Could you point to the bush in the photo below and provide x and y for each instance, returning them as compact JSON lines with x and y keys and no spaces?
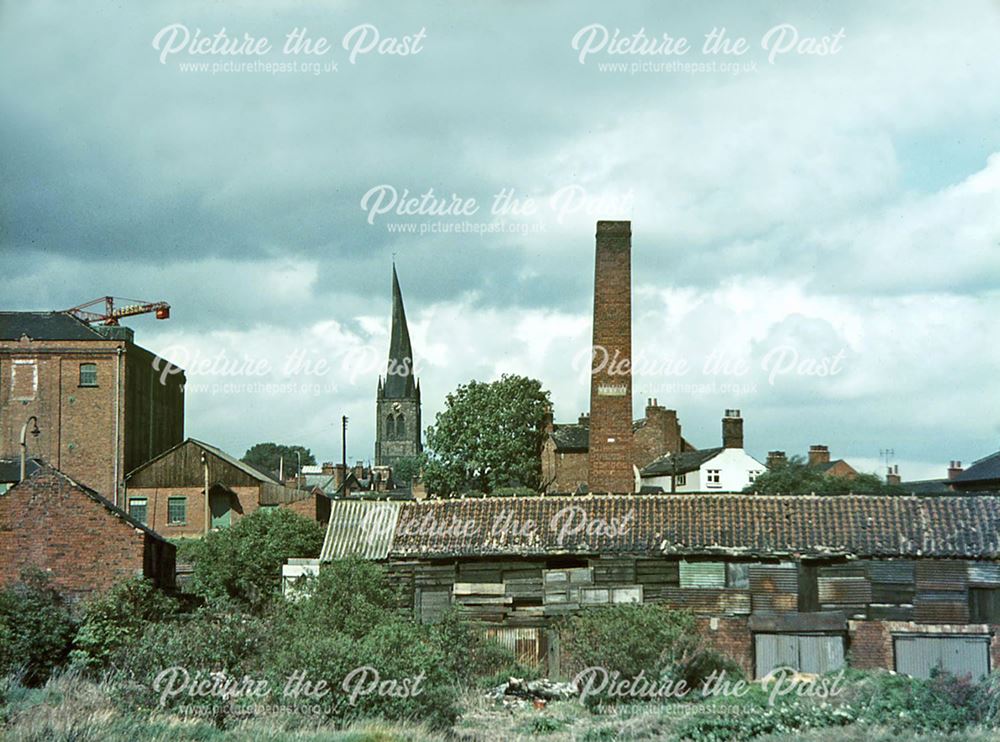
{"x":36,"y":629}
{"x":350,"y":624}
{"x":116,"y":619}
{"x":243,"y":563}
{"x":651,"y":640}
{"x":210,"y":640}
{"x":473,"y":657}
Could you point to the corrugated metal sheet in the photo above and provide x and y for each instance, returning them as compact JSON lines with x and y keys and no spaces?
{"x":892,"y":571}
{"x":708,"y":600}
{"x":844,"y":590}
{"x":360,"y":528}
{"x":702,"y":574}
{"x":774,"y":602}
{"x":528,"y":644}
{"x":806,"y":653}
{"x":959,"y":655}
{"x":941,"y":575}
{"x":945,"y":607}
{"x":983,"y":573}
{"x":773,"y":579}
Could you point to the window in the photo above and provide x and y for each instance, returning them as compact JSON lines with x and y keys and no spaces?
{"x":23,"y":380}
{"x":390,"y":427}
{"x":754,"y":473}
{"x":88,"y":374}
{"x":176,"y":511}
{"x":400,"y":427}
{"x":713,"y":477}
{"x":682,"y":479}
{"x":137,"y":509}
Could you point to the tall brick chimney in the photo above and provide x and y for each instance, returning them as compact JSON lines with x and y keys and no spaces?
{"x":954,"y":469}
{"x":610,"y":456}
{"x":776,"y":459}
{"x":732,"y":430}
{"x":819,"y":455}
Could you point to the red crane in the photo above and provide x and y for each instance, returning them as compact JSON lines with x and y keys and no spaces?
{"x":125,"y":308}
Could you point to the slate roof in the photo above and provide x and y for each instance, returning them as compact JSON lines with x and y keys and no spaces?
{"x":10,"y":469}
{"x":571,"y":438}
{"x":964,"y":526}
{"x":927,"y":487}
{"x":985,"y":469}
{"x":687,"y":461}
{"x":45,"y":326}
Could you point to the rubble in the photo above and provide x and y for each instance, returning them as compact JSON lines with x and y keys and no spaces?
{"x":517,"y":691}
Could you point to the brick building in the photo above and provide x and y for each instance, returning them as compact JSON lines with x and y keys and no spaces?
{"x":168,"y":493}
{"x":103,"y":403}
{"x":811,"y":582}
{"x":78,"y":537}
{"x":566,"y":447}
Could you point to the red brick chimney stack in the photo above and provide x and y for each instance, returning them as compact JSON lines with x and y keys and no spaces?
{"x":819,"y":455}
{"x":610,"y":457}
{"x":893,"y":476}
{"x":732,"y":430}
{"x":954,"y":469}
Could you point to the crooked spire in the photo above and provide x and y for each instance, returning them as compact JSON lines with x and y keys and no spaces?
{"x":399,"y":383}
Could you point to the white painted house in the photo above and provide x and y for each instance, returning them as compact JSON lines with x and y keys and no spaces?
{"x":725,"y":469}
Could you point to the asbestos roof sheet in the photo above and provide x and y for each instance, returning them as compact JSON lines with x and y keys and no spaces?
{"x":360,"y":528}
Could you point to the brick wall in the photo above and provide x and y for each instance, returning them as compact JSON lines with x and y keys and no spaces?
{"x":871,"y":642}
{"x":563,"y":472}
{"x":245,"y":501}
{"x":610,"y":455}
{"x":95,"y":434}
{"x":729,"y":636}
{"x":659,"y":434}
{"x":50,"y":523}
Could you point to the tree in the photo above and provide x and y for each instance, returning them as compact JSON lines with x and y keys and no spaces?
{"x":405,"y":469}
{"x":489,"y":436}
{"x":243,"y":563}
{"x":796,"y":477}
{"x":267,"y":456}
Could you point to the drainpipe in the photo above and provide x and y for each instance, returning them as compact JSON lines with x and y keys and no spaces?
{"x":208,"y":517}
{"x":118,"y":394}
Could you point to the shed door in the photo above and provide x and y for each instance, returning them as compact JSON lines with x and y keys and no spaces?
{"x":802,"y":652}
{"x":221,"y":510}
{"x":958,"y":655}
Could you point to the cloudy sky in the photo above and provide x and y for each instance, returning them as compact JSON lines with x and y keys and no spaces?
{"x":816,"y":220}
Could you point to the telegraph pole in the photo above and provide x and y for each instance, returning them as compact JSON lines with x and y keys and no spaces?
{"x":343,"y":441}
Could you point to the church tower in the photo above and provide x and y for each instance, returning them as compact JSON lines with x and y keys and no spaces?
{"x":397,"y":405}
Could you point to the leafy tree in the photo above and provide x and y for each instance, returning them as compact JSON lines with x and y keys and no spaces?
{"x":489,"y":436}
{"x":796,"y":477}
{"x":267,"y":456}
{"x":243,"y":563}
{"x":405,"y":469}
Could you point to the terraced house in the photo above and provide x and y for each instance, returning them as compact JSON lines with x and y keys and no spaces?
{"x":904,"y":583}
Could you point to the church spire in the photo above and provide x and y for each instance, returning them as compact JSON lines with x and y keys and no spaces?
{"x":399,"y":372}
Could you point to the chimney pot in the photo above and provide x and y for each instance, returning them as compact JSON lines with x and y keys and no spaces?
{"x":819,"y":454}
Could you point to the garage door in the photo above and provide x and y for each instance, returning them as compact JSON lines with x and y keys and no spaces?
{"x":959,"y":655}
{"x":812,"y":653}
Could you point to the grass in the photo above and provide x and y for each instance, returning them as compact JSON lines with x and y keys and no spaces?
{"x":70,"y":708}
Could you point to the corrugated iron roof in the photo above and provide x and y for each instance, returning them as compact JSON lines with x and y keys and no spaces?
{"x":737,"y":524}
{"x":361,"y":528}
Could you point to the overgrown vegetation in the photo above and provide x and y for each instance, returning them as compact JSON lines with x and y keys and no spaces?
{"x":796,"y":477}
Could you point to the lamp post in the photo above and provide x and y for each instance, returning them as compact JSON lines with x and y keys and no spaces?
{"x":298,"y":471}
{"x":35,"y":432}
